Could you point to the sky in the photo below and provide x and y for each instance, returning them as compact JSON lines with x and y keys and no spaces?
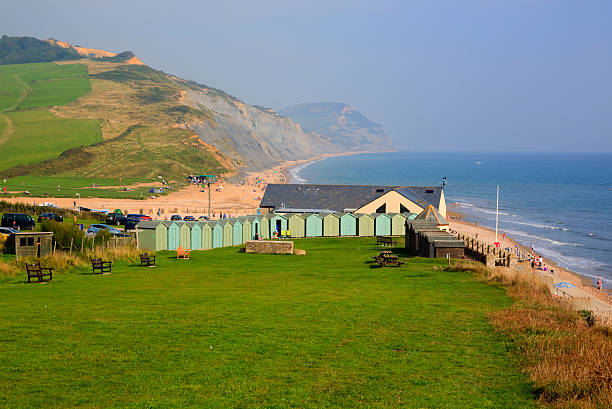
{"x":460,"y":75}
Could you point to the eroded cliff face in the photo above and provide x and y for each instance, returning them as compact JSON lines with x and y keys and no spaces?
{"x":253,"y":137}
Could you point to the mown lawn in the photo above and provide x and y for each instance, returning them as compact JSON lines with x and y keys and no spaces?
{"x":229,"y":329}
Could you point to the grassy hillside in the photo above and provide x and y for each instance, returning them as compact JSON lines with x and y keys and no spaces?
{"x":39,"y":135}
{"x":229,"y":329}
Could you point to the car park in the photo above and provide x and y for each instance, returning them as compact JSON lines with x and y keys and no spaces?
{"x":95,"y":228}
{"x":176,"y":217}
{"x":203,"y":218}
{"x":189,"y":219}
{"x":18,"y":221}
{"x":51,"y":216}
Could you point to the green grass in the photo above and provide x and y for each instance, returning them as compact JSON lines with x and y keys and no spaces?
{"x":50,"y":84}
{"x":46,"y":186}
{"x":39,"y":135}
{"x":229,"y":329}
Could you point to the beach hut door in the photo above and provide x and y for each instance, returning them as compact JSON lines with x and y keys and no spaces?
{"x":278,"y":227}
{"x":256,"y":231}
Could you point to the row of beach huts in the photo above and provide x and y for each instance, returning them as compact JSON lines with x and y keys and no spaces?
{"x":203,"y":235}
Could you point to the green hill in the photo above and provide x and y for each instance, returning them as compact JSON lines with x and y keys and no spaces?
{"x":21,"y":50}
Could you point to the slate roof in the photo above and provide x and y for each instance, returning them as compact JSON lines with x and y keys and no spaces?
{"x":148,"y":224}
{"x":337,"y":198}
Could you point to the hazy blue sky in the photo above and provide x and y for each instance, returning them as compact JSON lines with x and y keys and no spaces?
{"x":463,"y":74}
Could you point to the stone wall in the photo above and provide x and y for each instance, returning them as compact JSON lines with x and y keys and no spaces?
{"x":269,"y":247}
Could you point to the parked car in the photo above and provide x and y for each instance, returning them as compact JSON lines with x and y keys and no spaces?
{"x":115,"y":219}
{"x":51,"y":216}
{"x":95,"y":228}
{"x":8,"y":230}
{"x":203,"y":218}
{"x":189,"y":219}
{"x":18,"y":221}
{"x":176,"y":217}
{"x":133,"y":219}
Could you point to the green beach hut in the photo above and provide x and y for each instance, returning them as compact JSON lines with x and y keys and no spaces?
{"x":314,"y":225}
{"x":152,"y":235}
{"x":278,"y":224}
{"x":398,"y":222}
{"x":348,"y":224}
{"x":297,"y":225}
{"x":173,"y":234}
{"x":265,"y":226}
{"x":365,"y":225}
{"x":236,"y":232}
{"x":228,"y":232}
{"x":206,"y":235}
{"x":246,"y":228}
{"x":184,"y":234}
{"x":382,"y":224}
{"x":331,"y":224}
{"x":256,"y":231}
{"x":217,"y":234}
{"x":196,"y":235}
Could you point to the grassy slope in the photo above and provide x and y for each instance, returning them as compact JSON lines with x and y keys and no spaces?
{"x":228,"y":329}
{"x":40,"y":135}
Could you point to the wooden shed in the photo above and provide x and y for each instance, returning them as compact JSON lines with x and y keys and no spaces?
{"x":314,"y":225}
{"x":152,"y":235}
{"x":196,"y":235}
{"x":173,"y":234}
{"x":246,"y":229}
{"x":331,"y":224}
{"x":382,"y":224}
{"x":348,"y":224}
{"x":265,"y":226}
{"x":30,"y":244}
{"x":236,"y":232}
{"x":217,"y":234}
{"x":206,"y":235}
{"x":297,"y":225}
{"x":228,"y":233}
{"x":278,"y":224}
{"x":184,"y":234}
{"x":398,"y":221}
{"x":365,"y":225}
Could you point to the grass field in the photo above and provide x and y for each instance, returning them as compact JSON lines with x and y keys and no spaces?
{"x":41,"y":85}
{"x":229,"y":329}
{"x":39,"y":135}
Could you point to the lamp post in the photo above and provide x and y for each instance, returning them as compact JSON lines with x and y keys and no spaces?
{"x":79,"y":202}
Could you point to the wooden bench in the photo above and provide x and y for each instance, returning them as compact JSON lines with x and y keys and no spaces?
{"x":182,"y":253}
{"x":35,"y":270}
{"x":385,"y":241}
{"x":147,"y":260}
{"x":388,"y":259}
{"x":99,"y":266}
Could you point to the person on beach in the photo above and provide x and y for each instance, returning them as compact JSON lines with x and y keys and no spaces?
{"x":599,"y":283}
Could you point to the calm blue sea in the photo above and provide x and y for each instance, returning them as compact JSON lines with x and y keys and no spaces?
{"x":562,"y":203}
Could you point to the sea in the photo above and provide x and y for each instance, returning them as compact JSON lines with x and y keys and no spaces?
{"x":559,"y":203}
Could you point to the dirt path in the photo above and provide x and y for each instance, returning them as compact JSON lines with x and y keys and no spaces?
{"x":24,"y":94}
{"x":10,"y":128}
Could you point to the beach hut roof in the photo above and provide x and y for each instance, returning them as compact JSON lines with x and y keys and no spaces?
{"x":168,"y":223}
{"x":287,"y":210}
{"x":431,"y":214}
{"x":337,"y":198}
{"x":149,"y":224}
{"x":191,"y":224}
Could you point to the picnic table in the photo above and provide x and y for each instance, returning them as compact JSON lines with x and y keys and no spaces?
{"x":387,"y":259}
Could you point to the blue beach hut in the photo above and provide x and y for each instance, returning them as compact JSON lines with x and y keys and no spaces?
{"x":314,"y":225}
{"x":217,"y":235}
{"x":173,"y":234}
{"x":256,"y":231}
{"x":237,"y":232}
{"x":382,"y":224}
{"x":278,"y":224}
{"x":348,"y":224}
{"x":196,"y":235}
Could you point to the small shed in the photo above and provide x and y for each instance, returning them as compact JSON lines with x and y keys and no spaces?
{"x":228,"y":233}
{"x":398,"y":220}
{"x":265,"y":226}
{"x":184,"y":234}
{"x":365,"y":225}
{"x":246,"y":229}
{"x":382,"y":224}
{"x":314,"y":225}
{"x":278,"y":224}
{"x":217,"y":235}
{"x":30,"y":244}
{"x":256,"y":229}
{"x":206,"y":235}
{"x":173,"y":234}
{"x":297,"y":225}
{"x":348,"y":224}
{"x":331,"y":224}
{"x":237,"y":232}
{"x":196,"y":235}
{"x":152,"y":235}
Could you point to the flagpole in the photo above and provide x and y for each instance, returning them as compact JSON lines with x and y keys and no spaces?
{"x":497,"y":214}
